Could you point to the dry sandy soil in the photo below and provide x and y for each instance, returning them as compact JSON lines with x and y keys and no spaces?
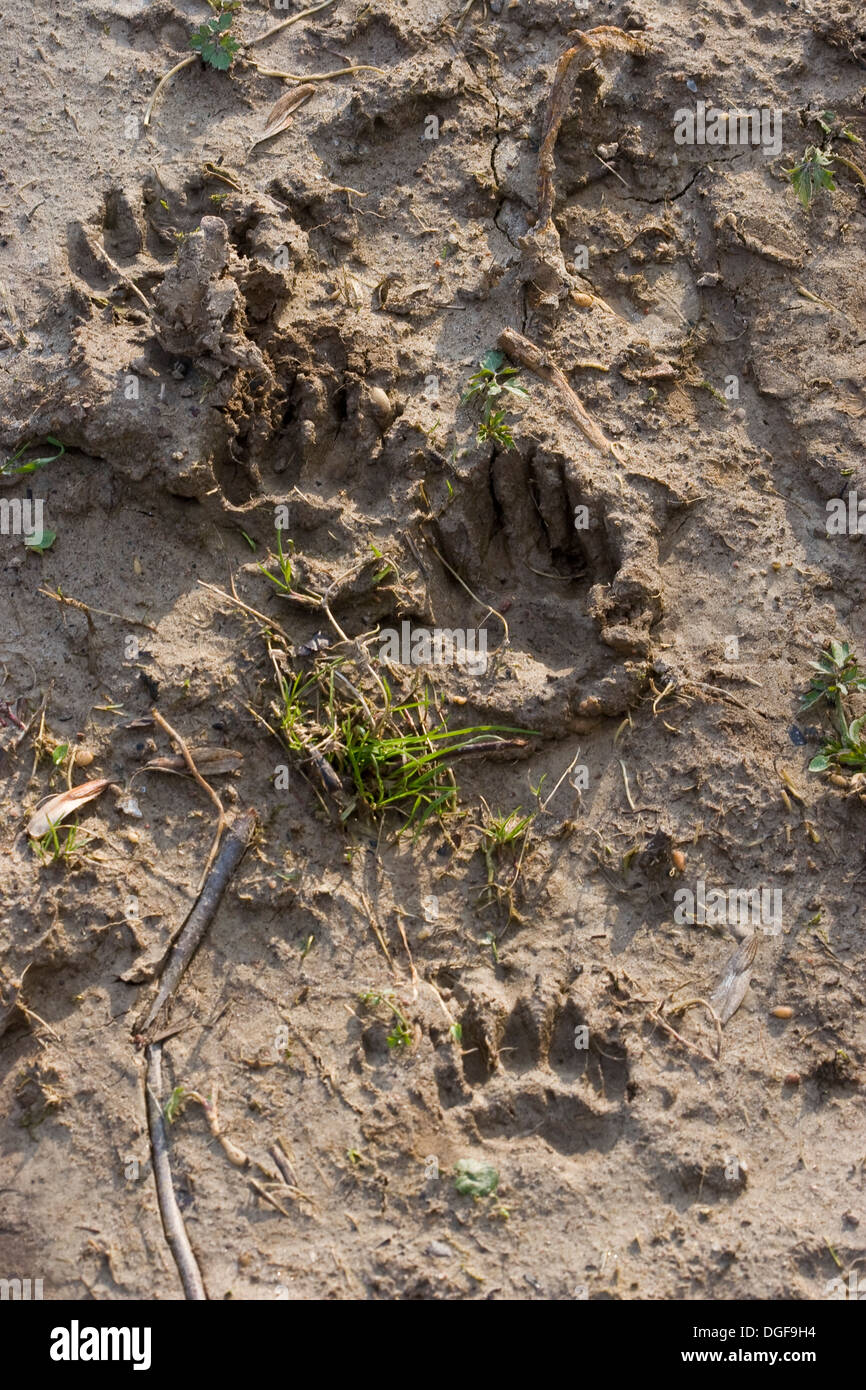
{"x":208,"y":329}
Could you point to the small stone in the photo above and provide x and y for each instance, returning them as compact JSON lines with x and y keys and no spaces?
{"x":439,"y":1249}
{"x":380,"y":404}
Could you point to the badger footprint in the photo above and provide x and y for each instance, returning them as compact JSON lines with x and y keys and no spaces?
{"x":543,"y":1070}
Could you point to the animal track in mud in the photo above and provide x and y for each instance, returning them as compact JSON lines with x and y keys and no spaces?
{"x":541,"y":1071}
{"x":588,"y":595}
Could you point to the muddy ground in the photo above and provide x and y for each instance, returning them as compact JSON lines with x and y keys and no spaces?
{"x":208,"y":330}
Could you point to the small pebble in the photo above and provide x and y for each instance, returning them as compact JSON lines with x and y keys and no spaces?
{"x":380,"y":405}
{"x":782,"y":1011}
{"x":792,"y":1078}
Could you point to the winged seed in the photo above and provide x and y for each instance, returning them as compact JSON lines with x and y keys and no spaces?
{"x":57,"y":808}
{"x":281,"y":114}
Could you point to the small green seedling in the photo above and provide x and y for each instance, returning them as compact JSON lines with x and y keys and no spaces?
{"x":61,"y":844}
{"x":490,"y":940}
{"x":816,"y":169}
{"x":838,"y":673}
{"x":474,"y":1178}
{"x":500,"y":838}
{"x":832,"y":125}
{"x":847,"y":751}
{"x":814,"y":172}
{"x":12,"y":465}
{"x":838,"y":676}
{"x":175,"y":1104}
{"x":213,"y":40}
{"x":492,"y":380}
{"x":493,"y":430}
{"x":282,"y":581}
{"x":400,"y":1034}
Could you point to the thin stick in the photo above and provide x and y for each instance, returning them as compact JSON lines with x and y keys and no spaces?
{"x":547,"y":801}
{"x":103,"y":612}
{"x":378,"y":935}
{"x":463,"y":585}
{"x":464,"y":15}
{"x":414,"y":972}
{"x":235,"y":1156}
{"x":849,"y":164}
{"x":172,"y":1221}
{"x":236,"y":841}
{"x":289,"y":1176}
{"x":671,"y":685}
{"x":657,"y":1018}
{"x":521,"y":350}
{"x":188,"y":759}
{"x":610,"y":168}
{"x":627,"y":787}
{"x":266,"y":1196}
{"x":284,"y":23}
{"x":316,"y":76}
{"x":689,"y":1003}
{"x":184,"y":63}
{"x":308,"y":599}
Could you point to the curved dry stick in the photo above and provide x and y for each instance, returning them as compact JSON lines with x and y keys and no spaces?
{"x":187,"y":757}
{"x":316,"y":76}
{"x":601,"y":40}
{"x":284,"y":23}
{"x":479,"y":601}
{"x":184,"y":948}
{"x":690,"y":1003}
{"x":172,"y":1221}
{"x":690,"y":1047}
{"x":184,"y":63}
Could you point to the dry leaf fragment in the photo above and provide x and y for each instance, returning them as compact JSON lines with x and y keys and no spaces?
{"x":212,"y":761}
{"x":57,"y":808}
{"x":281,"y":114}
